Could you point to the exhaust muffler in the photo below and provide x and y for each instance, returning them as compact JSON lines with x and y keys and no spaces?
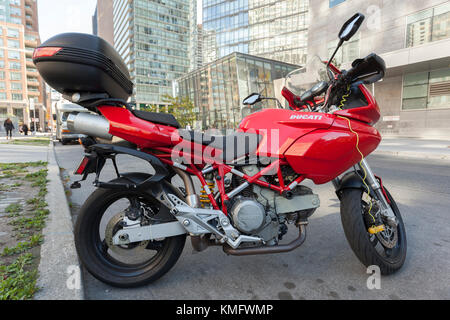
{"x":89,"y":124}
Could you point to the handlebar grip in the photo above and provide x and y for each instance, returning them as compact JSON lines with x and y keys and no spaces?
{"x":361,"y":65}
{"x":371,"y":67}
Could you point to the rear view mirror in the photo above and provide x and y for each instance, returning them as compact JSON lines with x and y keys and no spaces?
{"x":351,"y":27}
{"x":252,"y":99}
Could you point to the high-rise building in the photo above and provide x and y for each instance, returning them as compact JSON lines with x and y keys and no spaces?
{"x":195,"y":37}
{"x":19,"y":79}
{"x":413,"y":37}
{"x":102,"y":24}
{"x":152,"y":37}
{"x":274,"y":29}
{"x":95,"y":23}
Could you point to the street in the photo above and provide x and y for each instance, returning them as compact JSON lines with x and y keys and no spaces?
{"x":324,"y":267}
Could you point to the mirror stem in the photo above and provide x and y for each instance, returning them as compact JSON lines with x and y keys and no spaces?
{"x":335,"y":51}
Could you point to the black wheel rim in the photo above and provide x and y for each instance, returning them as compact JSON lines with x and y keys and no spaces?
{"x":102,"y":250}
{"x":390,"y":255}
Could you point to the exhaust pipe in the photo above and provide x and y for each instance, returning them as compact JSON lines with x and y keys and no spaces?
{"x":275,"y":249}
{"x":89,"y":124}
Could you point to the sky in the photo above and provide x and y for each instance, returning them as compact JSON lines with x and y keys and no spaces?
{"x":58,"y":16}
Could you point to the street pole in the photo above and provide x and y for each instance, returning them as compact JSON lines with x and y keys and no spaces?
{"x":32,"y":107}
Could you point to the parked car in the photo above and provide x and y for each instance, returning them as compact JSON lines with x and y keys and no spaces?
{"x":63,"y":134}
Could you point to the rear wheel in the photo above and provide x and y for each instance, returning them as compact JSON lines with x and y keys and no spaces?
{"x":386,"y":249}
{"x":129,"y":265}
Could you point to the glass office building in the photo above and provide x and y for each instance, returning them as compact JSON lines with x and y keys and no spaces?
{"x":152,"y":37}
{"x":218,"y":89}
{"x":267,"y":28}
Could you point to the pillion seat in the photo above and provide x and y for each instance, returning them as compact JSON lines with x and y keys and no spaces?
{"x":166,"y":119}
{"x":234,"y":146}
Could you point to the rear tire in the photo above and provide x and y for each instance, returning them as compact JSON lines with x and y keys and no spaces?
{"x":359,"y":238}
{"x":92,"y":252}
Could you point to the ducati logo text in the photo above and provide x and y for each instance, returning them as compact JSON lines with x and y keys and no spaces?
{"x":306,"y":117}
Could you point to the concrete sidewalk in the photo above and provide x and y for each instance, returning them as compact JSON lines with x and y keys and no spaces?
{"x":59,"y":269}
{"x":415,"y":148}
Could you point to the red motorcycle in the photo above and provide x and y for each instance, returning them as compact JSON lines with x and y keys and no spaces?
{"x":132,"y":229}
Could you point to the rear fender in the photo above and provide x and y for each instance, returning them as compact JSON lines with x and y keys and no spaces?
{"x":158,"y":190}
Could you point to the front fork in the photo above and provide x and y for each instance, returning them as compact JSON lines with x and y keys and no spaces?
{"x":374,"y":184}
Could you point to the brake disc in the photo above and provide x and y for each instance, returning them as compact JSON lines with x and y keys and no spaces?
{"x":129,"y":250}
{"x":388,"y":237}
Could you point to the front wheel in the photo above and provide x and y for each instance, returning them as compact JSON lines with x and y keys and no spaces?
{"x":125,"y":266}
{"x":386,"y":249}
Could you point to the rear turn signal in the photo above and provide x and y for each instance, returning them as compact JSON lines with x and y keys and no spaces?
{"x":45,"y":52}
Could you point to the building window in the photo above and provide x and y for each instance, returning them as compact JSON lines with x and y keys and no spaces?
{"x":14,"y":65}
{"x":2,"y":53}
{"x":16,"y":86}
{"x":15,"y":11}
{"x":15,"y":76}
{"x":348,"y":52}
{"x":13,"y":33}
{"x":18,"y":113}
{"x":2,"y":85}
{"x":428,"y":25}
{"x":426,"y":90}
{"x":13,"y":44}
{"x":14,"y":55}
{"x":17,"y":96}
{"x":2,"y":97}
{"x":2,"y":64}
{"x":335,"y":2}
{"x":2,"y":75}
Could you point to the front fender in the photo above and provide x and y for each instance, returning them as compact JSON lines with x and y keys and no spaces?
{"x":351,"y":180}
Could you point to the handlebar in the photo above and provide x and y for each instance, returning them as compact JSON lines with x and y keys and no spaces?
{"x":369,"y":70}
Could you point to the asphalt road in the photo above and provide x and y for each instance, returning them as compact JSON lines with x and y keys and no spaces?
{"x":324,"y":267}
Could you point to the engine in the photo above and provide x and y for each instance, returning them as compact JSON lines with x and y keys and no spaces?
{"x":251,"y":218}
{"x":262,"y":212}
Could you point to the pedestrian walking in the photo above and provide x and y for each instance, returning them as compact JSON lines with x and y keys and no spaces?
{"x":9,"y":126}
{"x":25,"y":129}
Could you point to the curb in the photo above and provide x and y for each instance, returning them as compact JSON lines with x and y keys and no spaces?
{"x":411,"y":154}
{"x":59,"y":267}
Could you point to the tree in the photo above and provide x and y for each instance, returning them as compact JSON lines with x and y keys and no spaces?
{"x":181,"y":107}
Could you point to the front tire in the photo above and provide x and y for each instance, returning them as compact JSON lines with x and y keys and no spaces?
{"x":96,"y":255}
{"x":366,"y":247}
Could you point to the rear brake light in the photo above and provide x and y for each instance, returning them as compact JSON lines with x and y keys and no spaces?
{"x":45,"y":52}
{"x":83,"y":164}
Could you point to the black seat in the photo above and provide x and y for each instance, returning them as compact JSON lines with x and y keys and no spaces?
{"x":234,"y":145}
{"x":166,"y":119}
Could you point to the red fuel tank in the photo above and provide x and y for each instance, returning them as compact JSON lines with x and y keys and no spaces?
{"x":318,"y":145}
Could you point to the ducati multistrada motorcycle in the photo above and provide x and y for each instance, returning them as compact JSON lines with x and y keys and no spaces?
{"x":132,"y":230}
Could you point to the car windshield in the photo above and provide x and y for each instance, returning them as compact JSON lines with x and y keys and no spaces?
{"x":65,"y":115}
{"x":303,"y":79}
